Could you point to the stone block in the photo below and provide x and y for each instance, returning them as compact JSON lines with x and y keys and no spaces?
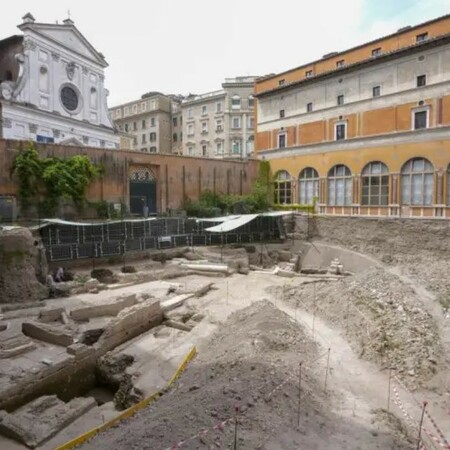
{"x":47,"y":333}
{"x":79,"y":350}
{"x":40,"y":420}
{"x":178,"y":325}
{"x":202,"y":290}
{"x":51,"y":314}
{"x":129,"y":323}
{"x":108,"y":309}
{"x":14,"y":345}
{"x":175,"y":302}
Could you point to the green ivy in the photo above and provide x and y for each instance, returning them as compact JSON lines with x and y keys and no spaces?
{"x":47,"y":180}
{"x":28,"y":167}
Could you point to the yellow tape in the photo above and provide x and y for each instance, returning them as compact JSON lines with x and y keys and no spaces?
{"x":131,"y":410}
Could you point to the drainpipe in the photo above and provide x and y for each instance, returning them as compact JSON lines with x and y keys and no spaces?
{"x":244,"y":136}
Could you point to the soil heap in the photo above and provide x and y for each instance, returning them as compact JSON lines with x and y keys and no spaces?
{"x":250,"y":363}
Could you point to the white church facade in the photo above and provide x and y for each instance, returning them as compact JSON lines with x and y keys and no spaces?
{"x":52,"y":87}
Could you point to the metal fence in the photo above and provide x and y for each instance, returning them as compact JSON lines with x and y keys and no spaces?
{"x":66,"y":240}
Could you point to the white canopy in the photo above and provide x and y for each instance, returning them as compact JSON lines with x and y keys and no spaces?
{"x":229,"y":225}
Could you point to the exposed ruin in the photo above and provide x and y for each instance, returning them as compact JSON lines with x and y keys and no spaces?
{"x":254,"y":311}
{"x":23,"y":267}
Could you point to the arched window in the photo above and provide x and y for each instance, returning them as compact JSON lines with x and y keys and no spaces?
{"x":251,"y":101}
{"x":339,"y":186}
{"x":235,"y":102}
{"x":417,"y":182}
{"x":308,"y":186}
{"x":375,"y":184}
{"x":283,"y":188}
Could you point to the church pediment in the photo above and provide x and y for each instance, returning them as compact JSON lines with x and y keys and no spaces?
{"x":67,"y":36}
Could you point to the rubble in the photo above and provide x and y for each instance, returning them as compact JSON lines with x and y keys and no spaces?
{"x":386,"y":322}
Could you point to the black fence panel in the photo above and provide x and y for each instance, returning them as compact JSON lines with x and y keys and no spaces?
{"x":149,"y":243}
{"x":64,"y":241}
{"x":110,"y":248}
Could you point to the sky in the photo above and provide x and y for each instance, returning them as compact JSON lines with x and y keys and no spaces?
{"x":191,"y":46}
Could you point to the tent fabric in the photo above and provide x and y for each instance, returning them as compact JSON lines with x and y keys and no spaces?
{"x":218,"y":219}
{"x":47,"y":222}
{"x":233,"y":224}
{"x":233,"y":220}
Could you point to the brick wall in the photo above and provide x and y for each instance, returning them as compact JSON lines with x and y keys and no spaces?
{"x":178,"y":177}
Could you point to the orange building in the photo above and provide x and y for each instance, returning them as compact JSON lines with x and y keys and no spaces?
{"x":365,"y":131}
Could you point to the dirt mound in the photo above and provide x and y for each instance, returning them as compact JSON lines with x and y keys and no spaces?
{"x":384,"y":319}
{"x":21,"y":262}
{"x":250,"y":363}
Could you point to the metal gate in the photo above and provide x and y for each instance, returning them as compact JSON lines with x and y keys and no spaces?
{"x":142,"y":191}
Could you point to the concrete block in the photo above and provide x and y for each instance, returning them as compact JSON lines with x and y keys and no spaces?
{"x":129,"y":323}
{"x":108,"y":309}
{"x":38,"y":421}
{"x":51,"y":314}
{"x":47,"y":333}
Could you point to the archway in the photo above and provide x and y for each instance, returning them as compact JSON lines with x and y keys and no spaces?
{"x":142,"y":191}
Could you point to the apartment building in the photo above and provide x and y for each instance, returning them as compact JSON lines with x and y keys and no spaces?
{"x":220,"y":124}
{"x":148,"y":120}
{"x":365,"y":131}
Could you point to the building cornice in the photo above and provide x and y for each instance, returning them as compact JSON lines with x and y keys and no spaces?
{"x":203,"y":99}
{"x":385,"y":140}
{"x":60,"y":117}
{"x":357,"y":106}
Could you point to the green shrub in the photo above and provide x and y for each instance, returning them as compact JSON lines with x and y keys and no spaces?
{"x":296,"y":207}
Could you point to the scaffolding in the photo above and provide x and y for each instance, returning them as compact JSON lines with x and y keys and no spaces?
{"x":77,"y":240}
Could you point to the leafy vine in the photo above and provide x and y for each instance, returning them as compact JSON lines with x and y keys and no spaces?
{"x":47,"y":180}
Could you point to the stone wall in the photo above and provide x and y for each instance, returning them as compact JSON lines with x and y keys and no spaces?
{"x":178,"y":177}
